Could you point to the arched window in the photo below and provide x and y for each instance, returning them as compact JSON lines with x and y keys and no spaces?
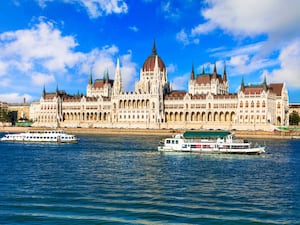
{"x":278,"y":105}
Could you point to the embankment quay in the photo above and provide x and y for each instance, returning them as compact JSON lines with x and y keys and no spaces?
{"x":163,"y":132}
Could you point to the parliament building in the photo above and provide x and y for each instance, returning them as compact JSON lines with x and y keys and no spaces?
{"x":154,"y":105}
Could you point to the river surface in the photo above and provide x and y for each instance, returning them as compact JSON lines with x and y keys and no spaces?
{"x":119,"y":179}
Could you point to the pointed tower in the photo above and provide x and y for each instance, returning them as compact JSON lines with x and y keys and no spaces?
{"x":56,"y":92}
{"x":118,"y":87}
{"x":225,"y":74}
{"x":192,"y":73}
{"x":44,"y":92}
{"x":154,"y":48}
{"x":215,"y":72}
{"x":89,"y":87}
{"x":242,"y":85}
{"x":106,"y":77}
{"x":91,"y":79}
{"x":203,"y":72}
{"x":265,"y":86}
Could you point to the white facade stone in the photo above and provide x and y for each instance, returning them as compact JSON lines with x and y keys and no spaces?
{"x":153,"y":105}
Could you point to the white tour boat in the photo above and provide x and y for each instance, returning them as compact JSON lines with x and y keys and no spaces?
{"x":41,"y":136}
{"x":208,"y":142}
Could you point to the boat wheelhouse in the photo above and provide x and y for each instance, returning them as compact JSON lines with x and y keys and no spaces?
{"x":58,"y":136}
{"x":209,"y":142}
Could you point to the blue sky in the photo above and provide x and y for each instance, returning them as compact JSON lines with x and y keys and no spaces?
{"x":60,"y":42}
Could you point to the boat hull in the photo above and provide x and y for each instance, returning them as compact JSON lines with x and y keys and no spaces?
{"x":250,"y":151}
{"x":41,"y":137}
{"x":209,"y":142}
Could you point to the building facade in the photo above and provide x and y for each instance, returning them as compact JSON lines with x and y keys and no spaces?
{"x":154,"y":105}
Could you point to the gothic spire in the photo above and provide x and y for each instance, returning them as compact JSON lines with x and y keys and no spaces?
{"x":225,"y":74}
{"x":44,"y":92}
{"x":91,"y":78}
{"x":117,"y":86}
{"x":265,"y":86}
{"x":193,"y":73}
{"x":242,"y":84}
{"x":106,"y":77}
{"x":56,"y":92}
{"x":215,"y":72}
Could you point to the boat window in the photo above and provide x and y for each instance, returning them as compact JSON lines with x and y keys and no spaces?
{"x":168,"y":141}
{"x":176,"y":141}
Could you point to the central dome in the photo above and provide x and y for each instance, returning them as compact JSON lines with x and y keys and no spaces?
{"x":150,"y":61}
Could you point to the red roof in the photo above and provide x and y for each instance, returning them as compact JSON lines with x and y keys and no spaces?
{"x":277,"y":88}
{"x":206,"y":78}
{"x":253,"y":90}
{"x":99,"y":83}
{"x":175,"y":95}
{"x":150,"y":63}
{"x":258,"y":89}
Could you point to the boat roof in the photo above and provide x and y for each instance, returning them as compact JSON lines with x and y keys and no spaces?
{"x":205,"y":134}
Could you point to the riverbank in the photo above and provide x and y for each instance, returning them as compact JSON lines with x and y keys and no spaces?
{"x":157,"y":132}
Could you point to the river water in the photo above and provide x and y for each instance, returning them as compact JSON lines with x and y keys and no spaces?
{"x":119,"y":179}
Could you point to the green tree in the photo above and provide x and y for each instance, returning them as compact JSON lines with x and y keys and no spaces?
{"x":4,"y":116}
{"x":294,"y":118}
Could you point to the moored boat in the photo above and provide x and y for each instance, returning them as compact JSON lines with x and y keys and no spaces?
{"x":209,"y":142}
{"x":58,"y":136}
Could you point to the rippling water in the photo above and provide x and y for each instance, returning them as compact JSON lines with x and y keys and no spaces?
{"x":124,"y":180}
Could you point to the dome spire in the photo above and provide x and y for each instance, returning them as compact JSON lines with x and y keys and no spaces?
{"x":154,"y":48}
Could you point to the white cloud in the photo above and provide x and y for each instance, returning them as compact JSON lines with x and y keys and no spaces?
{"x":95,"y":8}
{"x":41,"y":79}
{"x":32,"y":57}
{"x":15,"y":98}
{"x":276,"y":19}
{"x":250,"y":49}
{"x":289,"y":70}
{"x":128,"y":71}
{"x":180,"y":82}
{"x":42,"y":55}
{"x":99,"y":61}
{"x":5,"y":82}
{"x":252,"y":17}
{"x":3,"y":68}
{"x":42,"y":45}
{"x":133,"y":28}
{"x":43,"y":3}
{"x":203,"y":28}
{"x":171,"y":68}
{"x":182,"y":37}
{"x":239,"y":60}
{"x":169,"y":10}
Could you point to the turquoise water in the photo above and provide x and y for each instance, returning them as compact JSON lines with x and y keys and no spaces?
{"x":118,"y":179}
